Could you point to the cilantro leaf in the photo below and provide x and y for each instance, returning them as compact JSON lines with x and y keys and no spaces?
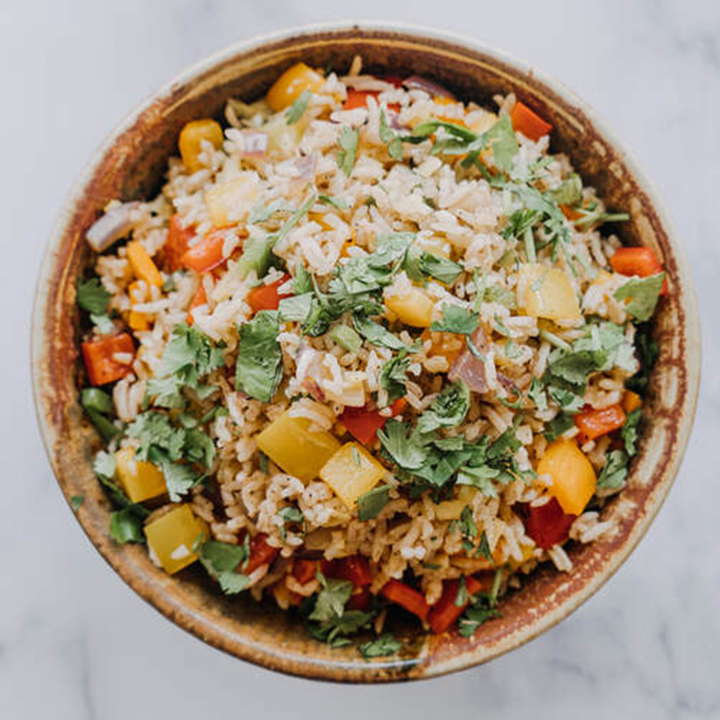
{"x":629,"y":432}
{"x":331,"y":600}
{"x":501,"y":295}
{"x":558,"y":425}
{"x":383,"y":646}
{"x":408,"y":453}
{"x":440,"y":268}
{"x":337,"y":203}
{"x":179,"y":479}
{"x":348,"y":142}
{"x":569,"y":192}
{"x":295,"y":308}
{"x":648,"y":353}
{"x":500,"y":138}
{"x":259,"y":362}
{"x":474,"y":617}
{"x":126,"y":526}
{"x":222,"y":561}
{"x":643,"y":295}
{"x":393,"y":377}
{"x":614,"y":471}
{"x":298,"y":108}
{"x":448,"y":409}
{"x":456,"y":320}
{"x":372,"y":502}
{"x":92,"y":296}
{"x":76,"y":501}
{"x":376,"y":334}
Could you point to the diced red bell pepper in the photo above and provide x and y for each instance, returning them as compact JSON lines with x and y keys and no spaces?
{"x":546,"y":524}
{"x":207,"y":253}
{"x":358,"y":99}
{"x":363,"y":423}
{"x":445,"y":612}
{"x":267,"y":297}
{"x":355,"y":568}
{"x":260,"y":554}
{"x":406,"y":597}
{"x":177,"y":243}
{"x":528,"y":122}
{"x":99,"y":356}
{"x":359,"y":600}
{"x":594,"y":423}
{"x":200,"y":298}
{"x":304,"y":570}
{"x":639,"y":261}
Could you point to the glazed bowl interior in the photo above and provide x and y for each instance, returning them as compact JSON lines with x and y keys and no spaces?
{"x":131,"y":165}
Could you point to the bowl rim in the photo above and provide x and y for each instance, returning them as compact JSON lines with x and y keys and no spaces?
{"x":372,"y":672}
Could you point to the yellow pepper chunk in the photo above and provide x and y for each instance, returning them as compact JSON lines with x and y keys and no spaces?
{"x":452,"y":509}
{"x":230,"y":202}
{"x":142,"y":264}
{"x":293,"y":446}
{"x":573,"y":476}
{"x":435,"y":245}
{"x":139,"y":479}
{"x":172,"y":536}
{"x":137,"y":320}
{"x":191,"y":139}
{"x":291,"y":85}
{"x":352,"y":471}
{"x":548,"y":293}
{"x":412,"y":306}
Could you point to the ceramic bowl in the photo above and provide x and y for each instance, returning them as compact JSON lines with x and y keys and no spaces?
{"x":130,"y":165}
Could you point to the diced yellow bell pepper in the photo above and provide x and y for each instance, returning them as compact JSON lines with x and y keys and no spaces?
{"x":139,"y":479}
{"x":548,"y":293}
{"x":291,"y":85}
{"x":231,"y":201}
{"x":136,"y":293}
{"x":527,"y":552}
{"x":352,"y":471}
{"x":319,"y":218}
{"x":172,"y":536}
{"x":573,"y":476}
{"x":191,"y":138}
{"x":142,"y":264}
{"x":291,"y":444}
{"x":413,"y":306}
{"x":452,"y":509}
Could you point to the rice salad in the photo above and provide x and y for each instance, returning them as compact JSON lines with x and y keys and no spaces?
{"x":371,"y":349}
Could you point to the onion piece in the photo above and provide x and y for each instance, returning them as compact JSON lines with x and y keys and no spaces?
{"x":469,"y":368}
{"x":417,"y":82}
{"x":305,"y":166}
{"x":255,"y":144}
{"x":367,"y":83}
{"x":113,"y":225}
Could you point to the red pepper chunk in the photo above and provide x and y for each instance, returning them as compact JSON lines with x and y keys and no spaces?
{"x":640,"y":261}
{"x":444,"y":613}
{"x":546,"y":524}
{"x":267,"y":297}
{"x":355,"y":568}
{"x":177,"y":243}
{"x":260,"y":553}
{"x":99,"y":356}
{"x":200,"y":298}
{"x":359,"y":600}
{"x":207,"y":253}
{"x":528,"y":122}
{"x":358,"y":98}
{"x":304,"y":570}
{"x":406,"y":597}
{"x":363,"y":423}
{"x":594,"y":423}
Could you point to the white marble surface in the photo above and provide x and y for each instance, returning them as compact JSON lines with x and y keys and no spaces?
{"x":76,"y":643}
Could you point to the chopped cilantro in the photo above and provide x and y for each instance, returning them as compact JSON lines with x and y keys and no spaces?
{"x":372,"y":502}
{"x":501,"y":295}
{"x":393,"y":376}
{"x":643,"y":295}
{"x":298,"y":108}
{"x":629,"y":432}
{"x":408,"y":453}
{"x":614,"y":471}
{"x":456,"y":320}
{"x":569,"y":192}
{"x":484,"y":548}
{"x":126,"y":526}
{"x":376,"y":334}
{"x":383,"y":646}
{"x":337,"y":203}
{"x":348,"y":142}
{"x":93,"y":297}
{"x":259,"y":362}
{"x":222,"y":561}
{"x":648,"y":353}
{"x":76,"y":501}
{"x":440,"y":268}
{"x":295,"y":308}
{"x":448,"y":409}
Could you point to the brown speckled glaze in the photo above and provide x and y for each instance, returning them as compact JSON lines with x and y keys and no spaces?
{"x":130,"y":165}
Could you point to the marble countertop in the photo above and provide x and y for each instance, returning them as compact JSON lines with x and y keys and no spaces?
{"x":76,"y":643}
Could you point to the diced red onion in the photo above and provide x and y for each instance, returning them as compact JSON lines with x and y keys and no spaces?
{"x":417,"y":82}
{"x":507,"y":383}
{"x":113,"y":225}
{"x":305,"y":166}
{"x":469,"y":368}
{"x":255,"y":144}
